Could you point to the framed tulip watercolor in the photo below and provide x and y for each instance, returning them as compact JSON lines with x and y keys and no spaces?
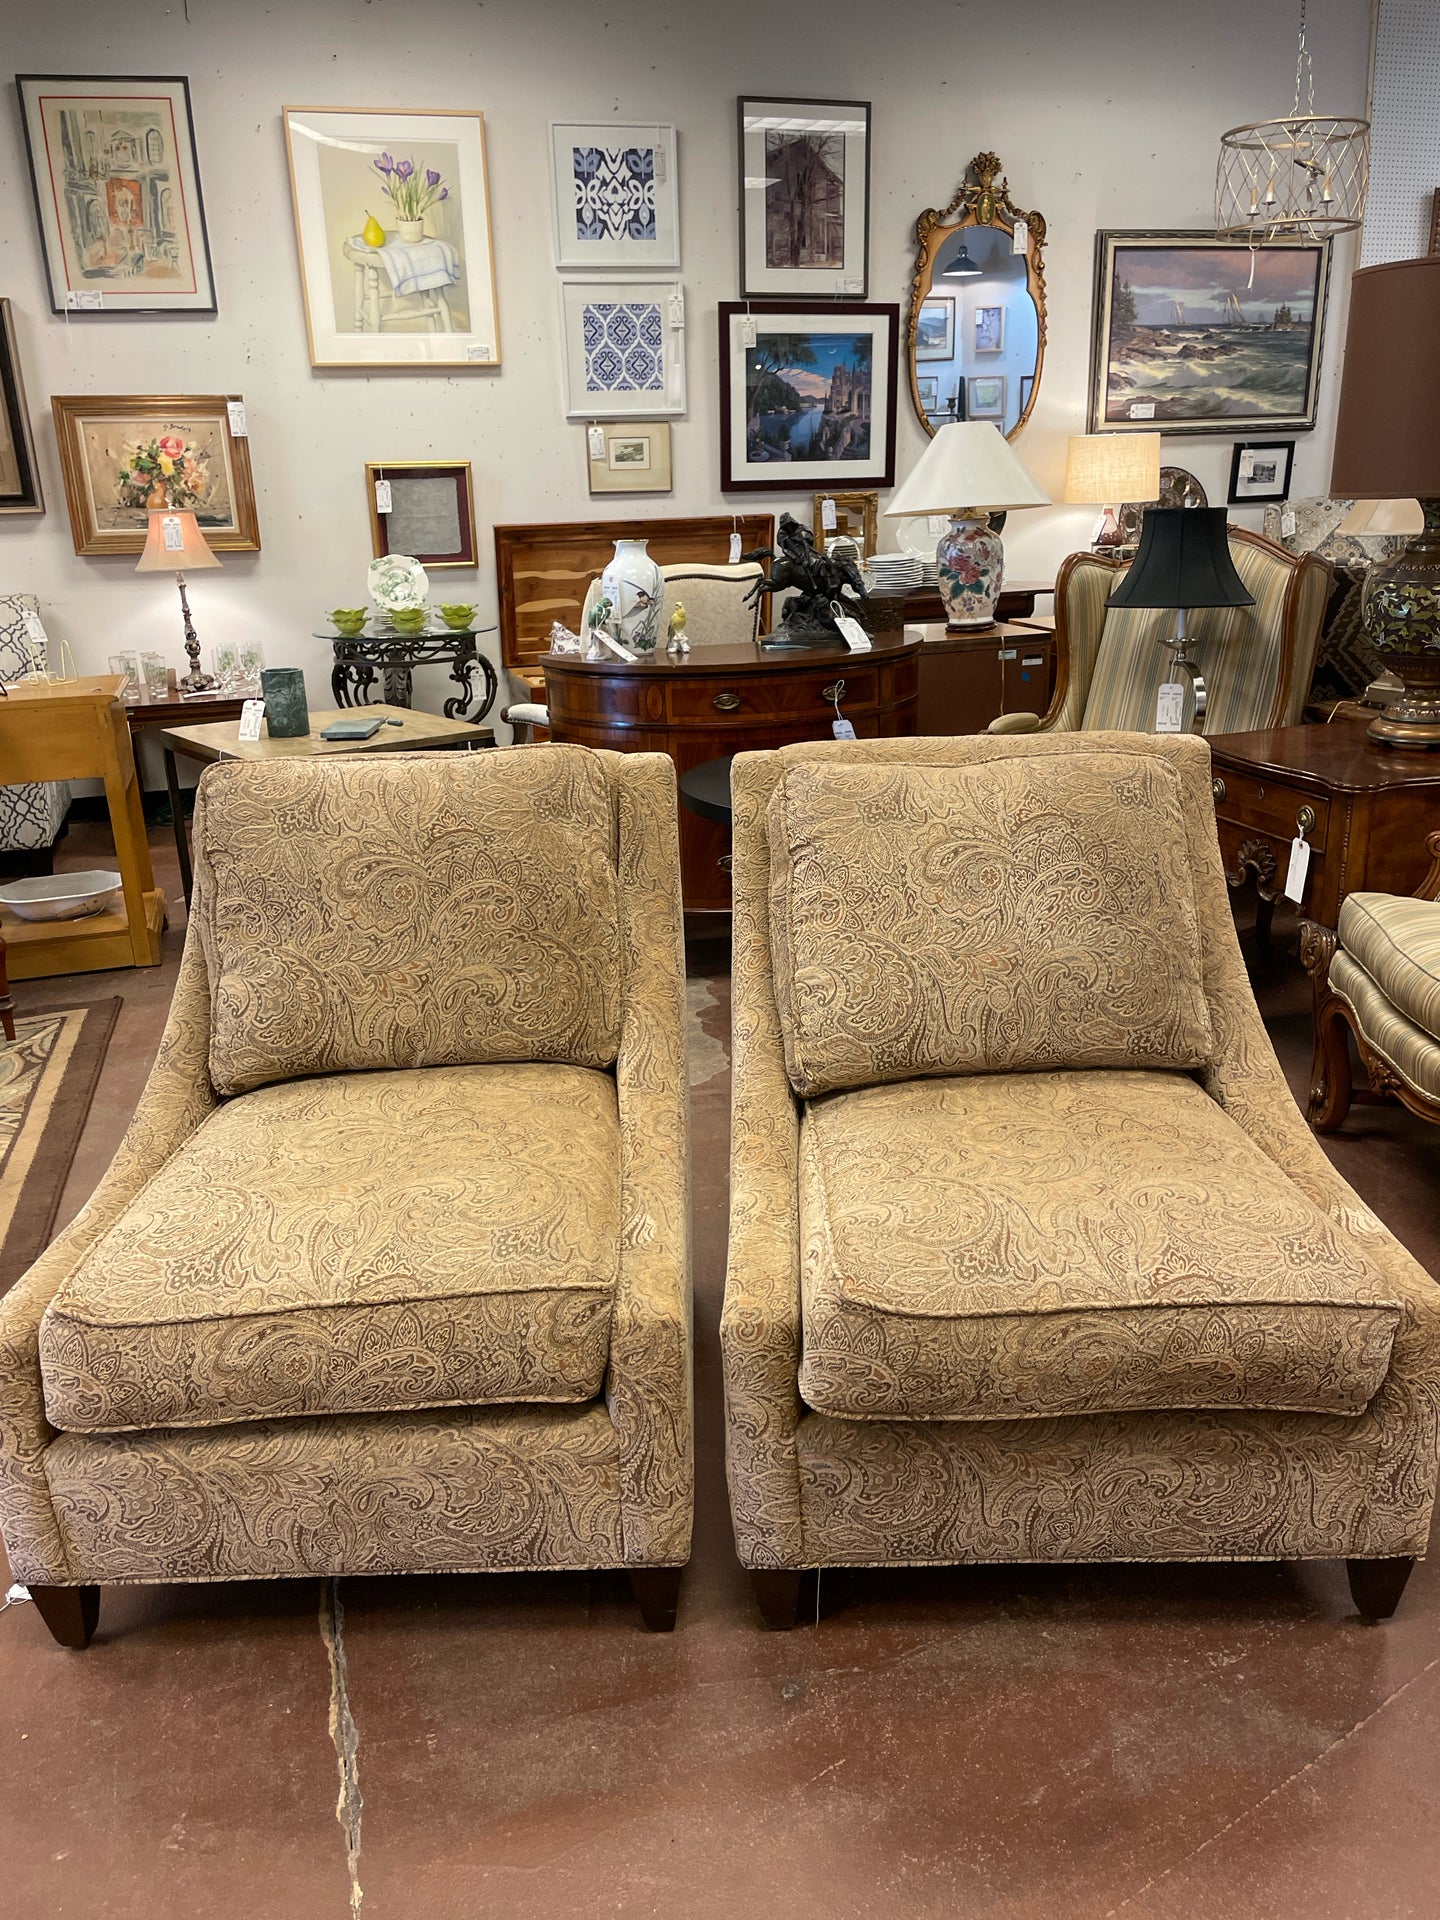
{"x":392,"y":219}
{"x":124,"y":455}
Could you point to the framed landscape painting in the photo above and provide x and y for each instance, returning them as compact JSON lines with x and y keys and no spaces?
{"x":810,"y":400}
{"x":935,"y":328}
{"x":616,"y":195}
{"x":804,"y":197}
{"x":125,"y":454}
{"x":629,"y":456}
{"x":19,"y":475}
{"x":117,"y":193}
{"x":392,"y":219}
{"x":622,"y":356}
{"x":1199,"y":335}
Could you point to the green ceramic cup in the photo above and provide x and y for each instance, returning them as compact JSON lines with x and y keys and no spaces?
{"x":456,"y":616}
{"x":409,"y":619}
{"x":349,"y":621}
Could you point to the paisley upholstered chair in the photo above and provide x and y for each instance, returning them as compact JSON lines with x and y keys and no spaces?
{"x":390,"y":1271}
{"x":1032,"y":1257}
{"x":1258,"y":661}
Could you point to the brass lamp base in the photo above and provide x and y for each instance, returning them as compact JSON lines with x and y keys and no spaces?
{"x":1409,"y":723}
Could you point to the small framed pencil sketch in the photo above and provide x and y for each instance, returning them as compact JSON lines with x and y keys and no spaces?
{"x":616,"y":195}
{"x":423,"y":508}
{"x":1260,"y":470}
{"x":628,"y":456}
{"x":19,"y":475}
{"x":117,"y":193}
{"x":624,"y":351}
{"x":392,"y":218}
{"x":804,"y":197}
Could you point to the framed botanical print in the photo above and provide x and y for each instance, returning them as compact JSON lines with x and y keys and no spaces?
{"x":807,"y":395}
{"x":623,"y":355}
{"x":19,"y":475}
{"x":989,"y":325}
{"x":392,"y":219}
{"x":935,"y":328}
{"x":616,"y":195}
{"x":985,"y":396}
{"x":117,"y":193}
{"x":424,"y":508}
{"x":1260,"y":471}
{"x":1194,"y":334}
{"x":629,"y":456}
{"x":804,"y":197}
{"x":125,"y":454}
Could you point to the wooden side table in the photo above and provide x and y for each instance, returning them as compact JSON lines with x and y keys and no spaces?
{"x":969,"y":679}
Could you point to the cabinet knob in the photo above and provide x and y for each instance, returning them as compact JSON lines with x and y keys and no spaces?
{"x":834,"y":693}
{"x":725,"y":702}
{"x":725,"y":862}
{"x":1305,"y":820}
{"x":1217,"y":787}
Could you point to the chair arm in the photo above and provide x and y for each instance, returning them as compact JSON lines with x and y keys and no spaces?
{"x":1015,"y":723}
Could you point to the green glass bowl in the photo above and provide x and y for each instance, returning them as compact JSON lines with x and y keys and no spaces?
{"x":409,"y":619}
{"x":456,"y":616}
{"x":349,"y":621}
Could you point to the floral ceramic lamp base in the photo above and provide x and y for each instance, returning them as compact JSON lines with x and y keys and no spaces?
{"x":971,"y":564}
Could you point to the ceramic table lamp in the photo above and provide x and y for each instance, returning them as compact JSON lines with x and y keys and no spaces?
{"x":175,"y":544}
{"x":1387,"y":447}
{"x":1109,"y":470}
{"x":967,"y":472}
{"x":1183,"y":561}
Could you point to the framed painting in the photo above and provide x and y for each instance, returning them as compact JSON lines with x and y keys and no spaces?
{"x":629,"y":456}
{"x":1193,"y":334}
{"x":124,"y":455}
{"x":989,"y":329}
{"x":615,"y":193}
{"x":19,"y":475}
{"x":623,"y":354}
{"x":985,"y":396}
{"x":1260,"y":471}
{"x":935,"y":328}
{"x":807,"y":395}
{"x":117,"y":193}
{"x":804,"y":197}
{"x":392,"y":219}
{"x":425,"y":508}
{"x":927,"y":385}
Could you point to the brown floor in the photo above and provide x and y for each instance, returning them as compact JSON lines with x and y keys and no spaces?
{"x":1197,"y":1743}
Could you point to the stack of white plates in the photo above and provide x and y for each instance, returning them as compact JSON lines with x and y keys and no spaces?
{"x":929,"y":573}
{"x":894,"y":573}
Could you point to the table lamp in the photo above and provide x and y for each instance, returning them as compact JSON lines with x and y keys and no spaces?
{"x":1387,"y":447}
{"x":1183,"y":561}
{"x":967,"y":472}
{"x":175,"y":544}
{"x":1109,"y":470}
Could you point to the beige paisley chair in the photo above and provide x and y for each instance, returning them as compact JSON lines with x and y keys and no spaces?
{"x":1258,"y":661}
{"x":1032,"y":1257}
{"x":390,"y":1273}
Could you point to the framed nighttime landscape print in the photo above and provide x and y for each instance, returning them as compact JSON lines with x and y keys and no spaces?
{"x":810,"y":401}
{"x":1199,"y":335}
{"x":804,"y":197}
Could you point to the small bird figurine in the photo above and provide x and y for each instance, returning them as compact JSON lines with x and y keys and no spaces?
{"x":677,"y":642}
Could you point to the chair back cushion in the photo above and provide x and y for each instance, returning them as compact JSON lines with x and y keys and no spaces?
{"x":999,"y":916}
{"x":713,"y":596}
{"x":408,"y":910}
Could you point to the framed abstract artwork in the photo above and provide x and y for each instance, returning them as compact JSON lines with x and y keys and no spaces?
{"x":425,"y":508}
{"x":616,"y":195}
{"x":19,"y":475}
{"x":985,"y":396}
{"x":935,"y":328}
{"x":623,"y":353}
{"x":989,"y":329}
{"x":629,"y":456}
{"x":392,"y":219}
{"x":1193,"y":334}
{"x":123,"y":455}
{"x":804,"y":197}
{"x":1260,"y":470}
{"x":807,"y":395}
{"x":117,"y":193}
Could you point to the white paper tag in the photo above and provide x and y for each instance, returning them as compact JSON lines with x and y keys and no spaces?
{"x":1142,"y":409}
{"x":595,"y":440}
{"x":1298,"y":870}
{"x":827,"y":515}
{"x":842,"y":729}
{"x":383,"y":501}
{"x":852,"y":633}
{"x":1020,"y":239}
{"x":174,"y":533}
{"x":236,"y":411}
{"x":87,"y":300}
{"x":251,"y":714}
{"x":1288,"y":523}
{"x":734,"y":549}
{"x":479,"y":353}
{"x":34,"y":630}
{"x":615,"y":646}
{"x":677,"y":307}
{"x":657,"y":160}
{"x":936,"y":523}
{"x":747,"y":332}
{"x":1170,"y":708}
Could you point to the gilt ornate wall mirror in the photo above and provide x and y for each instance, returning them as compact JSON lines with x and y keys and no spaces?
{"x":976,"y":338}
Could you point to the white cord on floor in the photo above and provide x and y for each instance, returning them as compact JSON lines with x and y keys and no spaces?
{"x":14,"y":1596}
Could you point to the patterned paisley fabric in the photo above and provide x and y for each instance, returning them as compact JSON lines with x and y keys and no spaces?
{"x":928,"y":918}
{"x":365,"y":1243}
{"x":407,"y":911}
{"x":1397,"y":942}
{"x":1002,"y":1247}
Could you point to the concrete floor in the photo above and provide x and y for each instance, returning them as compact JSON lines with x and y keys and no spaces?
{"x":1192,"y":1743}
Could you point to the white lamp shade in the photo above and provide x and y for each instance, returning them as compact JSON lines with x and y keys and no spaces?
{"x":1110,"y":469}
{"x":967,"y":464}
{"x":174,"y":543}
{"x":1383,"y":516}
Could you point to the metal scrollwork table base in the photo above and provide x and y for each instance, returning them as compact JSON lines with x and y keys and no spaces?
{"x":391,"y":658}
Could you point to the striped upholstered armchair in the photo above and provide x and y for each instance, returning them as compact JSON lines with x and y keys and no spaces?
{"x":1257,"y":661}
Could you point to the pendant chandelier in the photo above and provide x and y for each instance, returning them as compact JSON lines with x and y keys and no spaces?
{"x":1298,"y":178}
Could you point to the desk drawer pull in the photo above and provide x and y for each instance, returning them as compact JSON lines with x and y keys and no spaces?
{"x":725,"y":702}
{"x":1217,"y":787}
{"x":1305,"y":821}
{"x":725,"y":862}
{"x":834,"y":693}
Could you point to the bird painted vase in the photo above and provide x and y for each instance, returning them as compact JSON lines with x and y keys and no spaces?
{"x":635,"y":588}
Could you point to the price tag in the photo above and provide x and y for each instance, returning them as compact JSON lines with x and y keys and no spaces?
{"x":657,"y":161}
{"x":936,"y":523}
{"x":34,"y":631}
{"x":1298,"y":870}
{"x":747,"y":332}
{"x":236,"y":411}
{"x":734,"y":549}
{"x":595,"y":440}
{"x":1288,"y":523}
{"x":1020,"y":238}
{"x":174,"y":533}
{"x":677,"y":307}
{"x":1170,"y":708}
{"x":842,"y":729}
{"x":251,"y":715}
{"x":827,"y":515}
{"x":88,"y":300}
{"x":479,"y":353}
{"x":1142,"y":409}
{"x":383,"y":500}
{"x":851,"y":631}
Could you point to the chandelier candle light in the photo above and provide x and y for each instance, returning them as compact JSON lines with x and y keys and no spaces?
{"x":1109,"y":470}
{"x":175,"y":544}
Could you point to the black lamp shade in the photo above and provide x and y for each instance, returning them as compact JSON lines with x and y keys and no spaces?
{"x":1183,"y":561}
{"x":962,"y":267}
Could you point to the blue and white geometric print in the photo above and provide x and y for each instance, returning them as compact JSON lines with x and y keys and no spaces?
{"x":624,"y":346}
{"x":614,"y":193}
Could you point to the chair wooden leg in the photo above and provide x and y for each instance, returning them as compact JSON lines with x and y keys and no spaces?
{"x":71,"y":1613}
{"x":777,"y":1589}
{"x":657,"y":1594}
{"x":1330,"y":1082}
{"x":1376,"y":1585}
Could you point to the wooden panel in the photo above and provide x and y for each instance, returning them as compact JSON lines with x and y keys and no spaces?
{"x":1270,"y":806}
{"x":542,"y":571}
{"x":774,"y":696}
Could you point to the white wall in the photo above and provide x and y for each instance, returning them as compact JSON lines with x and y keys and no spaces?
{"x":1103,"y":119}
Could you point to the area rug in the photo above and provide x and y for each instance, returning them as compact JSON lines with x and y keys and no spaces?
{"x":47,"y":1081}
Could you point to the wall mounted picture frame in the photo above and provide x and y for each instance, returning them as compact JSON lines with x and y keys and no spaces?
{"x":989,"y":326}
{"x":122,"y":454}
{"x":935,"y":328}
{"x":927,"y":385}
{"x":425,"y":508}
{"x":116,"y":178}
{"x":20,"y":490}
{"x":985,"y":395}
{"x":1260,"y":470}
{"x":1194,"y":334}
{"x":628,"y":456}
{"x":615,"y":196}
{"x":623,"y":355}
{"x":804,"y":197}
{"x":811,"y":402}
{"x":421,"y":291}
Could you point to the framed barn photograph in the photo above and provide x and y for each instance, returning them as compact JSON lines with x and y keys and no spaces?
{"x":425,"y":508}
{"x":804,"y":197}
{"x":124,"y":455}
{"x":1260,"y":471}
{"x":616,"y":195}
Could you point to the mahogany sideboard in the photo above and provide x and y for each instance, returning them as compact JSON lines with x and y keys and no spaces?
{"x":717,"y":700}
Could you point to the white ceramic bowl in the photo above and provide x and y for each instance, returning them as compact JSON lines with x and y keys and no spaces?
{"x":61,"y":896}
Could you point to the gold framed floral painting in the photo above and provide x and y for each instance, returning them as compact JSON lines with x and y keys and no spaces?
{"x":124,"y":455}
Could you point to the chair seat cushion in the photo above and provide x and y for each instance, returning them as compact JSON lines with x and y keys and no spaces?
{"x":1411,"y":1051}
{"x":369,"y":1243}
{"x":1397,"y":942}
{"x":1066,"y":1243}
